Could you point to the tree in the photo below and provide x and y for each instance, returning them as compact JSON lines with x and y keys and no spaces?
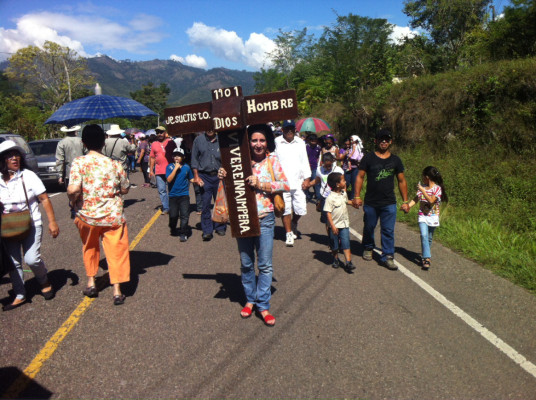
{"x":18,"y":114}
{"x":53,"y":74}
{"x":354,"y":55}
{"x":269,"y":80}
{"x":514,"y":35}
{"x":291,"y":49}
{"x":447,"y":21}
{"x":154,"y":98}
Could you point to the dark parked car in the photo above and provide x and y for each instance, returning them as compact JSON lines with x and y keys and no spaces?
{"x":45,"y":152}
{"x":29,"y":156}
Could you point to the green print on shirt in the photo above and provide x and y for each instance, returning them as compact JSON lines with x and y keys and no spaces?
{"x":385,"y":173}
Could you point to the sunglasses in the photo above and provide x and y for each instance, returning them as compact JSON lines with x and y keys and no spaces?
{"x":9,"y":156}
{"x":384,"y":139}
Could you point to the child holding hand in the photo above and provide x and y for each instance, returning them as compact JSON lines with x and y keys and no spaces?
{"x":429,"y":195}
{"x":338,"y":221}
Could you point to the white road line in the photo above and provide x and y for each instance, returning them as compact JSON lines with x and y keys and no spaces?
{"x":54,"y":194}
{"x":473,"y":323}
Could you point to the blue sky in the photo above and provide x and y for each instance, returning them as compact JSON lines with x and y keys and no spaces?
{"x":234,"y":34}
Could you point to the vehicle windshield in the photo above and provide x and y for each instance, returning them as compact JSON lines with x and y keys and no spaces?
{"x":44,"y":148}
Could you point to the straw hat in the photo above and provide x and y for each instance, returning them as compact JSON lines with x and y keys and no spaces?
{"x":66,"y":129}
{"x":114,"y":130}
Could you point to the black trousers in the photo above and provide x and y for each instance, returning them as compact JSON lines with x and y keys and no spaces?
{"x":179,"y":208}
{"x":144,"y":166}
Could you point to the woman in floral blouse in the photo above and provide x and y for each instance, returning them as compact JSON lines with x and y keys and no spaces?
{"x":96,"y":184}
{"x":258,"y":290}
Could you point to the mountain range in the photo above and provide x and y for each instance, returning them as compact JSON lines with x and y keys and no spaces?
{"x":187,"y":85}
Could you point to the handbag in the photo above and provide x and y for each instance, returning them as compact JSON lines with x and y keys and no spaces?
{"x":16,"y":226}
{"x":220,"y":212}
{"x":279,"y":202}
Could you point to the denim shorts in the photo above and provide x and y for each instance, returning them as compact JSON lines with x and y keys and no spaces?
{"x":343,"y":237}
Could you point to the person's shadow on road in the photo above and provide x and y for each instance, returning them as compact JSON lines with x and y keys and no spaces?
{"x":409,"y":255}
{"x":139,"y":262}
{"x":129,"y":202}
{"x":230,"y":286}
{"x":57,"y":277}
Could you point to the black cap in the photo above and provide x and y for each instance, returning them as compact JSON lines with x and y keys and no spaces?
{"x":384,"y":133}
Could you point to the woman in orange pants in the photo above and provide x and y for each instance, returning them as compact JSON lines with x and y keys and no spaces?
{"x":96,"y":184}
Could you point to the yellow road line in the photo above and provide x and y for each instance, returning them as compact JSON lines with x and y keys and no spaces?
{"x":144,"y":230}
{"x":50,"y":347}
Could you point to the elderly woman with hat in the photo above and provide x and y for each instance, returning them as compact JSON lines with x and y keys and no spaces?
{"x":21,"y":190}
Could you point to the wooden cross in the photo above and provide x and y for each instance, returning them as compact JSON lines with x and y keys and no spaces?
{"x":229,"y":113}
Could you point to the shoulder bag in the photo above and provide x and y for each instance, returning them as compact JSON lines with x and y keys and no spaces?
{"x":16,"y":225}
{"x":279,"y":202}
{"x":220,"y":212}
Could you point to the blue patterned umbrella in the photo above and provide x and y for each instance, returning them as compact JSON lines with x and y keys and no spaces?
{"x":99,"y":107}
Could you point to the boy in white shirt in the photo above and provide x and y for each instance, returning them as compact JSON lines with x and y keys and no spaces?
{"x":338,"y":221}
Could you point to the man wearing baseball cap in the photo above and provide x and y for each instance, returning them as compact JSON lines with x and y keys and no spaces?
{"x":380,"y":167}
{"x":159,"y":158}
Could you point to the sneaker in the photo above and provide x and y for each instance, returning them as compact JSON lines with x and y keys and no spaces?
{"x":183,"y":238}
{"x":164,"y":212}
{"x":367,"y":255}
{"x":290,"y":239}
{"x":336,"y":263}
{"x":349,"y":266}
{"x":389,"y":263}
{"x":220,"y":233}
{"x":133,"y":185}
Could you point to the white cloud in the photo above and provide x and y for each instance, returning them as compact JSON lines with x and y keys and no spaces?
{"x":229,"y":46}
{"x":192,"y":60}
{"x":402,"y":32}
{"x":79,"y":31}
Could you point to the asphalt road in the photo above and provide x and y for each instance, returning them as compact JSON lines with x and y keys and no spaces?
{"x":372,"y":334}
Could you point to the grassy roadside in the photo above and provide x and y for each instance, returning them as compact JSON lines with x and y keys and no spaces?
{"x":490,"y":216}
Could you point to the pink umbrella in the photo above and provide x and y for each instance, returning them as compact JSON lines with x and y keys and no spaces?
{"x":312,"y":124}
{"x":137,"y":135}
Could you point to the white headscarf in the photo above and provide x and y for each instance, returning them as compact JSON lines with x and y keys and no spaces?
{"x":356,"y":139}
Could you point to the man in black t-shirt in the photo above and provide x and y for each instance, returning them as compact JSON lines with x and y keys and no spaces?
{"x":381,"y":167}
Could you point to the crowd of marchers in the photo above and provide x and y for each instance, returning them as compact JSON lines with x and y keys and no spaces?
{"x":302,"y":167}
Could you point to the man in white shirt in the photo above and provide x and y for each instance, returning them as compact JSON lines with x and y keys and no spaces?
{"x":290,"y":150}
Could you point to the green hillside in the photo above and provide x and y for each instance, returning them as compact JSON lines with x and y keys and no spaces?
{"x":187,"y":84}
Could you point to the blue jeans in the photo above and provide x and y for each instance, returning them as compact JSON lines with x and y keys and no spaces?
{"x":31,"y":247}
{"x":258,"y":290}
{"x":208,"y":193}
{"x":179,"y":208}
{"x":131,"y":162}
{"x":427,"y":234}
{"x":340,"y":241}
{"x":161,"y":186}
{"x":387,"y":217}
